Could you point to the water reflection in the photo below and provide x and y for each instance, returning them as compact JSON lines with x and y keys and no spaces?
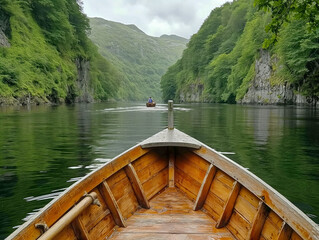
{"x":46,"y":149}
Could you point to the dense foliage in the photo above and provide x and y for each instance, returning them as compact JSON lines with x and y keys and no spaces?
{"x":286,"y":10}
{"x":141,"y":58}
{"x":221,"y":56}
{"x":47,"y":39}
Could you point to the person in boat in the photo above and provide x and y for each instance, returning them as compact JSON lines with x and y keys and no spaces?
{"x":150,"y":100}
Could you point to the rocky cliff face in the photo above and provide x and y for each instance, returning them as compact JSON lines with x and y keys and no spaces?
{"x":83,"y":81}
{"x":261,"y":90}
{"x":192,"y":94}
{"x":4,"y":30}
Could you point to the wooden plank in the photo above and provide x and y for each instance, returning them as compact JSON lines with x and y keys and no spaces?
{"x":66,"y":234}
{"x":214,"y":206}
{"x":155,"y":184}
{"x":152,"y":169}
{"x":258,"y":222}
{"x":285,"y":232}
{"x":228,"y":208}
{"x":121,"y":188}
{"x":80,"y":230}
{"x":103,"y":229}
{"x":219,"y":189}
{"x":295,"y":236}
{"x":165,"y":221}
{"x":137,"y":186}
{"x":116,"y":178}
{"x":128,"y":204}
{"x":224,"y":178}
{"x":146,"y":160}
{"x":250,"y":197}
{"x":205,"y":187}
{"x":189,"y":183}
{"x":55,"y":209}
{"x":68,"y":218}
{"x":296,"y":219}
{"x":112,"y":204}
{"x":190,"y":169}
{"x":247,"y":210}
{"x":238,"y":226}
{"x":192,"y":158}
{"x":93,"y":213}
{"x":269,"y":232}
{"x":275,"y":220}
{"x":171,"y":163}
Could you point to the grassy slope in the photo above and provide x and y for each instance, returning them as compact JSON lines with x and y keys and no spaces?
{"x":141,"y":58}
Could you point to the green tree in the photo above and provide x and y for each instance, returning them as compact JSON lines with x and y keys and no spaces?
{"x":299,"y":53}
{"x":286,"y":10}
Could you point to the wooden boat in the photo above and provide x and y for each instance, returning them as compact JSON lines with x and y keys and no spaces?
{"x":152,"y":104}
{"x":170,"y":186}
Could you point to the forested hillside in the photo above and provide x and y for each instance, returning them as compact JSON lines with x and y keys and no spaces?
{"x":45,"y":55}
{"x":141,"y":58}
{"x":221,"y":61}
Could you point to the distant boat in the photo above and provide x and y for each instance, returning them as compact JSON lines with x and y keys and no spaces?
{"x":170,"y":186}
{"x":152,"y":104}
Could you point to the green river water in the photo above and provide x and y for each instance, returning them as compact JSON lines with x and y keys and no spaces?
{"x":45,"y":149}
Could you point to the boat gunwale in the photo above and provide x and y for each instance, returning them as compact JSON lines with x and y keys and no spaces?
{"x":292,"y":215}
{"x":38,"y":218}
{"x":271,"y":197}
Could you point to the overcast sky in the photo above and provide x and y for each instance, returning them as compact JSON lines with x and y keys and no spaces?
{"x":155,"y":17}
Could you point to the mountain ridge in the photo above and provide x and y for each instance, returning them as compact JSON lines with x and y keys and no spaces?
{"x":142,"y":59}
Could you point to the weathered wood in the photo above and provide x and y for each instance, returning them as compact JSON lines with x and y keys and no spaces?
{"x":112,"y":204}
{"x":204,"y":189}
{"x":153,"y":169}
{"x":190,"y":169}
{"x":170,"y":115}
{"x":285,"y":232}
{"x":220,"y":189}
{"x":228,"y":208}
{"x":192,"y":158}
{"x":238,"y":226}
{"x":66,"y":234}
{"x":244,"y":208}
{"x":171,"y":138}
{"x":69,"y":217}
{"x":156,"y":183}
{"x":294,"y":217}
{"x":103,"y":229}
{"x":214,"y":205}
{"x":189,"y":185}
{"x":171,"y":217}
{"x":128,"y":204}
{"x":295,"y":236}
{"x":258,"y":222}
{"x":55,"y":209}
{"x":171,"y":166}
{"x":137,"y":186}
{"x":121,"y":188}
{"x":240,"y":222}
{"x":80,"y":230}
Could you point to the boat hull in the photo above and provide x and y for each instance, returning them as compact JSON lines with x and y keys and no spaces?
{"x":139,"y":186}
{"x":153,"y":104}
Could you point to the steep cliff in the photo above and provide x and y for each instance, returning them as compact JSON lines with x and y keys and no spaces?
{"x":263,"y":91}
{"x":223,"y":61}
{"x":4,"y":29}
{"x":49,"y":59}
